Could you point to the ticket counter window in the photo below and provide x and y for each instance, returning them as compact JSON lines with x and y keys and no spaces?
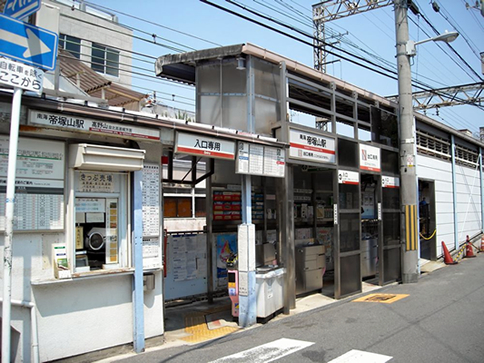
{"x":100,"y":229}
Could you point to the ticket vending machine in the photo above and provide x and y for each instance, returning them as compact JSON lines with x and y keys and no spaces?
{"x":233,"y":284}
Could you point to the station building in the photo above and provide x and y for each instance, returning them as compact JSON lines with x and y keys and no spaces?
{"x":294,"y":171}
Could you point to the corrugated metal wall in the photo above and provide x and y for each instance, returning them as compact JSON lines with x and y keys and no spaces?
{"x":468,"y":199}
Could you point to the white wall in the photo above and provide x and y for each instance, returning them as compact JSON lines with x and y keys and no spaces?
{"x":440,"y":171}
{"x":468,"y":199}
{"x":96,"y":29}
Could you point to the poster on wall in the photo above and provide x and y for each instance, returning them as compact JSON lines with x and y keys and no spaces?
{"x":226,"y":244}
{"x":187,"y":256}
{"x":186,"y":269}
{"x":368,"y":204}
{"x":39,"y":199}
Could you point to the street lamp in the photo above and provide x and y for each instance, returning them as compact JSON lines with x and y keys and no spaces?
{"x":408,"y":147}
{"x":446,"y":37}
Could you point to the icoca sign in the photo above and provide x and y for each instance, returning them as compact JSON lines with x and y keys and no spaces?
{"x":370,"y":158}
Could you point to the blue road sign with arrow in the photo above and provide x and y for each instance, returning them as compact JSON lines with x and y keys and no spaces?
{"x":28,"y":43}
{"x":20,"y":9}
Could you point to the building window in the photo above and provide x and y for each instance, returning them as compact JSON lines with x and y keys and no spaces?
{"x":200,"y":207}
{"x":71,"y":44}
{"x":105,"y":60}
{"x":177,"y":207}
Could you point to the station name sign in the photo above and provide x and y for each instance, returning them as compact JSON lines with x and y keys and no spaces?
{"x":202,"y":145}
{"x":311,"y":147}
{"x":82,"y":124}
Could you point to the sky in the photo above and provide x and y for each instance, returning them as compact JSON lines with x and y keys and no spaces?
{"x":187,"y":25}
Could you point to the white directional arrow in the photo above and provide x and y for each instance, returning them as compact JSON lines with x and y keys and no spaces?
{"x":34,"y":45}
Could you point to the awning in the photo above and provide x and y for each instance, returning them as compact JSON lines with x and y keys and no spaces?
{"x":95,"y":84}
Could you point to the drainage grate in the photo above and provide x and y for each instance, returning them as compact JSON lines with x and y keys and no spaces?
{"x":381,"y":298}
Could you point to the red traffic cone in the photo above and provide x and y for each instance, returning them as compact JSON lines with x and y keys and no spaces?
{"x":469,"y":250}
{"x":447,"y":257}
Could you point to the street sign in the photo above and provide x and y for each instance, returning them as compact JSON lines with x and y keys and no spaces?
{"x":21,"y":75}
{"x":28,"y":43}
{"x":20,"y":9}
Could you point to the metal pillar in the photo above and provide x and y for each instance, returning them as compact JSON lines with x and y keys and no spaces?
{"x":246,"y":259}
{"x":408,"y":173}
{"x":209,"y":231}
{"x":482,"y":189}
{"x":246,"y":231}
{"x":285,"y":221}
{"x":285,"y":207}
{"x":454,"y":194}
{"x":138,"y":303}
{"x":9,"y":210}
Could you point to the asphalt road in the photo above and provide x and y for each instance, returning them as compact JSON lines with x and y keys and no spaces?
{"x":441,"y":320}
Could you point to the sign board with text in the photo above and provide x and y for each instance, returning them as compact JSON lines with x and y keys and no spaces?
{"x":311,"y":147}
{"x":260,"y":160}
{"x":21,"y":75}
{"x":82,"y":124}
{"x":370,"y":158}
{"x":348,"y":177}
{"x":202,"y":145}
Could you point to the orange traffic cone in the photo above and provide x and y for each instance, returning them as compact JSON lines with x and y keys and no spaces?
{"x":447,"y":257}
{"x":482,"y":243}
{"x":469,"y":250}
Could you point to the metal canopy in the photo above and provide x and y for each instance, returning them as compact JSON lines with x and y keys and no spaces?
{"x":181,"y":67}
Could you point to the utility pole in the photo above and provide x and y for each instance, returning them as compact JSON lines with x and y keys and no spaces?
{"x":408,"y":173}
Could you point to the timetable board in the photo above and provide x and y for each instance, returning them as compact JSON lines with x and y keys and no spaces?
{"x":39,"y":184}
{"x":151,"y":216}
{"x":263,"y":160}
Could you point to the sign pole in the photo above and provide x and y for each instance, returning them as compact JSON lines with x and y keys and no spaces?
{"x":9,"y":208}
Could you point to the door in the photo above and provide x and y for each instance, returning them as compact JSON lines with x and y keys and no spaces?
{"x":426,"y":217}
{"x":347,"y":214}
{"x":389,"y":248}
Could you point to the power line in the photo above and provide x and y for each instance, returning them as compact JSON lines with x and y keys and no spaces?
{"x":450,"y":47}
{"x":133,"y":36}
{"x":464,"y":36}
{"x":300,"y":40}
{"x":417,"y":84}
{"x":472,"y":14}
{"x":100,"y":7}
